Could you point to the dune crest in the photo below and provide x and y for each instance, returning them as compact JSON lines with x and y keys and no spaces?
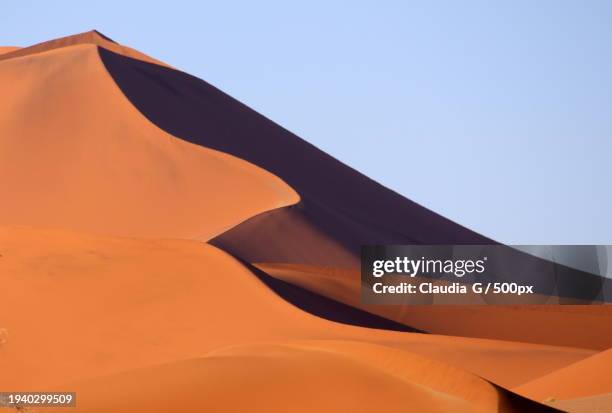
{"x":288,"y":377}
{"x":92,"y":37}
{"x":571,"y":326}
{"x":75,"y":154}
{"x":588,"y":377}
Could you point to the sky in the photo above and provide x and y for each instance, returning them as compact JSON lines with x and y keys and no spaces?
{"x":497,"y":115}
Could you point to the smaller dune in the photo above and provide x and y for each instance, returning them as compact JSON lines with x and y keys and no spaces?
{"x":102,"y":305}
{"x":595,"y":404}
{"x":579,"y":326}
{"x":307,"y":376}
{"x":587,"y":377}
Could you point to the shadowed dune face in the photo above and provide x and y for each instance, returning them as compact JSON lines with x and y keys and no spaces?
{"x":573,"y":326}
{"x":290,"y":235}
{"x":340,"y":209}
{"x":191,"y":109}
{"x":75,"y":154}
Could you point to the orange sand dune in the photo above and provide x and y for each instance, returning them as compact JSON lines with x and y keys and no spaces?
{"x":6,"y":49}
{"x":289,"y":377}
{"x":92,"y":37}
{"x":75,"y":154}
{"x":92,"y":306}
{"x":594,"y":404}
{"x":587,"y":377}
{"x":573,"y":326}
{"x":106,"y":292}
{"x":285,"y":235}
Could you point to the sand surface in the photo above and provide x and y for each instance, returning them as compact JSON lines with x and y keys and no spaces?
{"x":601,"y":403}
{"x":75,"y":154}
{"x":92,"y":37}
{"x":587,"y":377}
{"x":116,"y":170}
{"x":573,"y":326}
{"x":95,"y":307}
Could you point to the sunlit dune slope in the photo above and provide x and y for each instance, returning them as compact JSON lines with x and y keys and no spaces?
{"x":289,"y":377}
{"x":587,"y":377}
{"x":573,"y":326}
{"x":75,"y":154}
{"x":6,"y":49}
{"x":601,"y":403}
{"x":92,"y":37}
{"x":91,"y":306}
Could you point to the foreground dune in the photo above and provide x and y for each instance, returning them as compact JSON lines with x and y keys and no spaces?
{"x":91,"y":307}
{"x":91,"y":162}
{"x":288,"y":377}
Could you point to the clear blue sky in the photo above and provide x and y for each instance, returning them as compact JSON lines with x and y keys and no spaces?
{"x":497,"y":114}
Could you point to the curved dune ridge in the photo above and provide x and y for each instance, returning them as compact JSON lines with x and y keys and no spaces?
{"x":276,"y":377}
{"x":75,"y":154}
{"x":91,"y":37}
{"x":340,"y":209}
{"x":584,"y":378}
{"x":345,"y":205}
{"x":156,"y":234}
{"x":573,"y":326}
{"x":97,"y":306}
{"x":593,"y":404}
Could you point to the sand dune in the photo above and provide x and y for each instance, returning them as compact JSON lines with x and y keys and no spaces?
{"x":115,"y":169}
{"x":594,"y":404}
{"x":91,"y":162}
{"x":348,"y":206}
{"x":92,"y":37}
{"x":572,"y":326}
{"x":288,"y":377}
{"x":7,"y":49}
{"x":286,"y":235}
{"x":587,"y":377}
{"x":91,"y":306}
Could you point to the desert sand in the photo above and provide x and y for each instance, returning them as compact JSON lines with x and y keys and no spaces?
{"x":594,"y":404}
{"x":91,"y":162}
{"x":142,"y":209}
{"x":572,"y":326}
{"x":94,"y":307}
{"x":587,"y":377}
{"x":6,"y":49}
